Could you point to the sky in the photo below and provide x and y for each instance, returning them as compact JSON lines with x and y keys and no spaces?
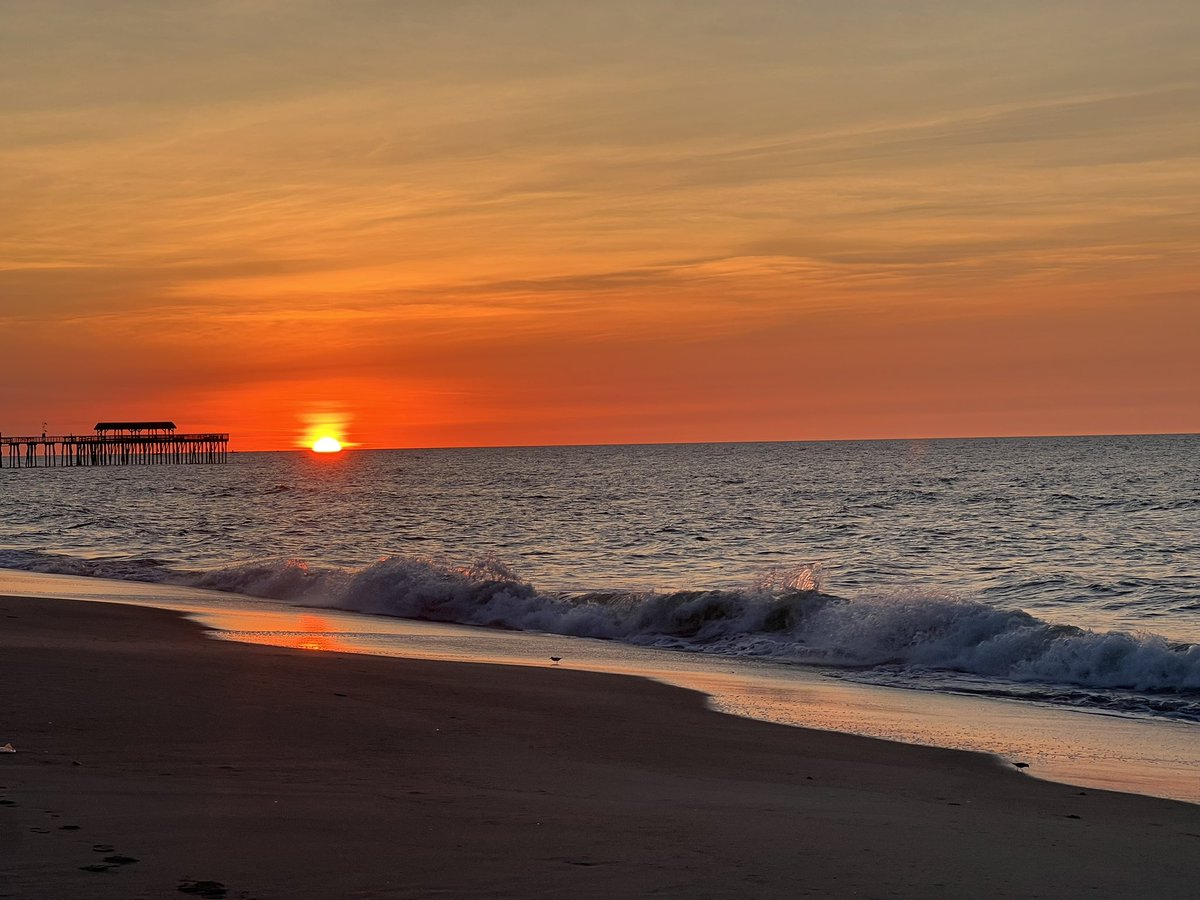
{"x":488,"y":223}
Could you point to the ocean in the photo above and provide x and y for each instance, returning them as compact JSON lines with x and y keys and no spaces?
{"x":1062,"y":571}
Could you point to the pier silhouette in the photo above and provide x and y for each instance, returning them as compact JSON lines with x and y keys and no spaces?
{"x":114,"y":444}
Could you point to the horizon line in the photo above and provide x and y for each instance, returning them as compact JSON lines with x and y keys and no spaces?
{"x":978,"y":437}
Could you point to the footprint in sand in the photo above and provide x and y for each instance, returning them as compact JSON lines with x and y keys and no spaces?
{"x":110,"y":862}
{"x":208,"y":889}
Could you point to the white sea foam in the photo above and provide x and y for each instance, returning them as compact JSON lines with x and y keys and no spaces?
{"x":784,"y":616}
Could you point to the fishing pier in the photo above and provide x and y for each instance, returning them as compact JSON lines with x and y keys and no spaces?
{"x":115,"y":444}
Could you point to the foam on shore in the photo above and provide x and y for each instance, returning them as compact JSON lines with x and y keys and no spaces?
{"x":1129,"y":753}
{"x":902,"y":639}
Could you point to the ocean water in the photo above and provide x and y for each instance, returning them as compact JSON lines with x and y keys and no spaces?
{"x":1053,"y":571}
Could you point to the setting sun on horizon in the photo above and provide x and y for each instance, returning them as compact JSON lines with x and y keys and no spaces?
{"x":327,"y":445}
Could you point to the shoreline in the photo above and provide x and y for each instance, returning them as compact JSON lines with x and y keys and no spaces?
{"x":1067,"y":745}
{"x":280,"y":773}
{"x":1145,"y":756}
{"x":1087,"y":749}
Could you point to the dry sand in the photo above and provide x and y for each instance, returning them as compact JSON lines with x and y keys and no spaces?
{"x":271,"y":773}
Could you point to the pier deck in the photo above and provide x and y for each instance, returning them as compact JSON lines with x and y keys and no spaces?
{"x":112,"y":449}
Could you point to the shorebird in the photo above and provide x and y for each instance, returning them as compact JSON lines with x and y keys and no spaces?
{"x":555,"y":659}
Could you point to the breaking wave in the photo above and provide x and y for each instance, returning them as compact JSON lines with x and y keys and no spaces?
{"x":912,"y":639}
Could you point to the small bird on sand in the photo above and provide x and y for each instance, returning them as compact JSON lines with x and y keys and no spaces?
{"x":555,"y":659}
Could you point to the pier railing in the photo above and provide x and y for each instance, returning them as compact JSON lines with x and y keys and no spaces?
{"x":35,"y":451}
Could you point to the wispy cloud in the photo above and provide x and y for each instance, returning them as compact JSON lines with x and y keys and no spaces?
{"x":441,"y":193}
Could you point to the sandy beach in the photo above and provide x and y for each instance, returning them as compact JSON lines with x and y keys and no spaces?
{"x":154,"y":762}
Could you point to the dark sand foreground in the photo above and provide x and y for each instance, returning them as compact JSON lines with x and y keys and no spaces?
{"x":285,"y":774}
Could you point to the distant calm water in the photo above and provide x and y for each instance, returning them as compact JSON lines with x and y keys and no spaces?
{"x":1064,"y":570}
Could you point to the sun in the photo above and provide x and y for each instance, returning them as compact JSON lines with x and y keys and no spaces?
{"x":327,"y":445}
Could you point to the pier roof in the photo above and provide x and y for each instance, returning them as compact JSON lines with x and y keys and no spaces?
{"x":135,"y":426}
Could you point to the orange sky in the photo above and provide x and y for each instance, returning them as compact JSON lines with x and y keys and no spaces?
{"x":459,"y":223}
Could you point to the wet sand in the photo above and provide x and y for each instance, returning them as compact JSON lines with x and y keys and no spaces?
{"x":153,"y":761}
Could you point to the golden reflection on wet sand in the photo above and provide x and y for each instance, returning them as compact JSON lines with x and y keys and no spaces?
{"x":299,"y":631}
